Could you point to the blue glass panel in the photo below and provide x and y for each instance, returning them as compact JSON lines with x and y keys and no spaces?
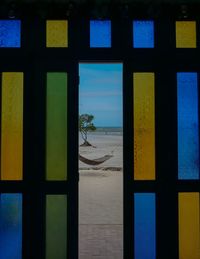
{"x":100,"y":34}
{"x":145,"y":226}
{"x":143,"y":34}
{"x":10,"y":226}
{"x":10,"y":33}
{"x":188,"y":124}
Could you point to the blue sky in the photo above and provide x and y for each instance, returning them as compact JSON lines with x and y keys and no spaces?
{"x":100,"y":93}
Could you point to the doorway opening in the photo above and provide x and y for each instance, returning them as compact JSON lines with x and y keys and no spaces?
{"x":100,"y":160}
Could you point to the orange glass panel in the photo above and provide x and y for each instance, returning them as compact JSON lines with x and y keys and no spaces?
{"x":144,"y":126}
{"x":12,"y":126}
{"x":189,"y":227}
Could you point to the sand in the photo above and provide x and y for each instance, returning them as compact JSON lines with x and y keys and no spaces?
{"x":101,"y":200}
{"x":104,"y":145}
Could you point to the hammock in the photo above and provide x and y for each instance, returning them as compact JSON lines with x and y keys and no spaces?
{"x":97,"y":161}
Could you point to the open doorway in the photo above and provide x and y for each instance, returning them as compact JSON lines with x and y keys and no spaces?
{"x":100,"y":161}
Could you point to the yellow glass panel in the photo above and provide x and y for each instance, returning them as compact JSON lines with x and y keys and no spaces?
{"x":12,"y":126}
{"x":186,"y":34}
{"x":144,"y":126}
{"x":57,"y":34}
{"x":189,"y":227}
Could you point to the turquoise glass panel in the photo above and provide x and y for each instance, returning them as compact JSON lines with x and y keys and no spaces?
{"x":144,"y":226}
{"x":100,"y":34}
{"x":143,"y":34}
{"x":10,"y":34}
{"x":10,"y":226}
{"x":188,"y":126}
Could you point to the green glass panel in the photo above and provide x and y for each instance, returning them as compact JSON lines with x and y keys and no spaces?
{"x":56,"y":227}
{"x":56,"y":126}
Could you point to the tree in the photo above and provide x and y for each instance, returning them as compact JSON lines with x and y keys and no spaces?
{"x":86,"y":125}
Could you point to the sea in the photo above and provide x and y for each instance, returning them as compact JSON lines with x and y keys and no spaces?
{"x":107,"y":131}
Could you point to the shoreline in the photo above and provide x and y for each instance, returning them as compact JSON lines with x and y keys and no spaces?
{"x":112,"y":168}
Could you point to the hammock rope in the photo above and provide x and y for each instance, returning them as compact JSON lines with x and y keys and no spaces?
{"x":97,"y":161}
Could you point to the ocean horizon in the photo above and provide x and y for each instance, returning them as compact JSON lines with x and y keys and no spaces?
{"x":107,"y":131}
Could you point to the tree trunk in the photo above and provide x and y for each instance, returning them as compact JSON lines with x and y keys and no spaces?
{"x":86,"y":144}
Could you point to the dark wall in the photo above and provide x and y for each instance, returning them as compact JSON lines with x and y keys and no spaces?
{"x":104,"y":1}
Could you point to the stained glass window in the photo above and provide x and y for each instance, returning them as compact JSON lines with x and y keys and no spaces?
{"x":56,"y":226}
{"x":143,"y":34}
{"x":57,"y":34}
{"x":100,"y":34}
{"x":186,"y":34}
{"x":189,"y":226}
{"x":144,"y":126}
{"x":10,"y":33}
{"x":10,"y":226}
{"x":52,"y":159}
{"x":56,"y":128}
{"x":12,"y":126}
{"x":145,"y":226}
{"x":188,"y":126}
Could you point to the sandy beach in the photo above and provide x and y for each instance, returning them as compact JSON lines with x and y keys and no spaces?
{"x":104,"y":145}
{"x":100,"y":199}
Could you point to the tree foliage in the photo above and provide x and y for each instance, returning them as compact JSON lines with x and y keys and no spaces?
{"x":86,"y":125}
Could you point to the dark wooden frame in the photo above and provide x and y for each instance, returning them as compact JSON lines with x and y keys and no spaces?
{"x":34,"y":59}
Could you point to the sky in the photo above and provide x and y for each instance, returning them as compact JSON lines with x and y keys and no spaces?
{"x":100,"y":93}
